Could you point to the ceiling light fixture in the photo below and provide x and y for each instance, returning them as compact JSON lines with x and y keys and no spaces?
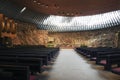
{"x":38,"y":3}
{"x":34,"y":1}
{"x":23,"y":10}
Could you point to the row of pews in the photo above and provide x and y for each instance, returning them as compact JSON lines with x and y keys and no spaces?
{"x":20,"y":63}
{"x":105,"y":56}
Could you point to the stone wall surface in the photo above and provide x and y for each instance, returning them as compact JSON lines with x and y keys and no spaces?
{"x":96,"y":38}
{"x":28,"y":34}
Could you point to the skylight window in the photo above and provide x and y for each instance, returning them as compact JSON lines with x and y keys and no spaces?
{"x":98,"y":21}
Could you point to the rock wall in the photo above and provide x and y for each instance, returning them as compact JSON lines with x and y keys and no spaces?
{"x":97,"y":38}
{"x":28,"y":34}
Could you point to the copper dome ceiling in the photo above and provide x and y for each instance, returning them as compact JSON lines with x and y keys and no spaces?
{"x":63,"y":16}
{"x":70,"y":7}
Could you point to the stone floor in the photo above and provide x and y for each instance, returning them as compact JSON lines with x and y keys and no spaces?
{"x":71,"y":66}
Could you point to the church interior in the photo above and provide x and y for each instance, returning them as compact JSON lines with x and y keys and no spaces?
{"x":59,"y":39}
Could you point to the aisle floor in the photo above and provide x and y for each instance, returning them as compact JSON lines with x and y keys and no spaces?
{"x":71,"y":66}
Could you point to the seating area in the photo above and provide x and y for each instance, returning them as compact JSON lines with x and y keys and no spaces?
{"x":20,"y":63}
{"x":107,"y":57}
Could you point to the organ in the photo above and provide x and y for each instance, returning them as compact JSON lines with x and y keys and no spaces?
{"x":7,"y":30}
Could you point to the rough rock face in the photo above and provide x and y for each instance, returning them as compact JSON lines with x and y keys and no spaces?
{"x":28,"y":34}
{"x":97,"y":38}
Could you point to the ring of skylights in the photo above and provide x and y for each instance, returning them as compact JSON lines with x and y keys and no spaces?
{"x":99,"y":21}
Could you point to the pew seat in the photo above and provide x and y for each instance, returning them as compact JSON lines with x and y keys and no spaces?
{"x":116,"y":70}
{"x":15,"y":72}
{"x":34,"y":64}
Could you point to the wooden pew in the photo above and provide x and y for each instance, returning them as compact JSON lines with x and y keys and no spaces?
{"x":48,"y":53}
{"x":112,"y":60}
{"x":44,"y":55}
{"x":35,"y":58}
{"x":14,"y":72}
{"x":101,"y":57}
{"x":34,"y":64}
{"x":116,"y":70}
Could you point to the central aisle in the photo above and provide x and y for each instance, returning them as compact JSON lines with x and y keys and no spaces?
{"x":70,"y":66}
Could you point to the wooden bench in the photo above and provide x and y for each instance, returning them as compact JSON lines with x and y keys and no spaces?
{"x":112,"y":60}
{"x":116,"y":70}
{"x":101,"y":57}
{"x":14,"y":72}
{"x":34,"y":64}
